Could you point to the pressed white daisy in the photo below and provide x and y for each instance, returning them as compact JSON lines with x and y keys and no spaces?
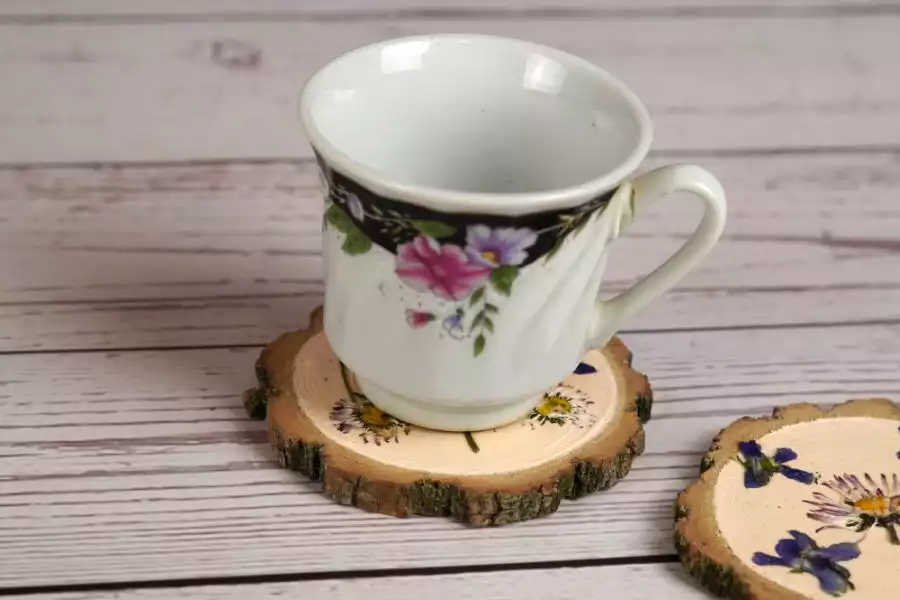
{"x":372,"y":423}
{"x":859,"y":504}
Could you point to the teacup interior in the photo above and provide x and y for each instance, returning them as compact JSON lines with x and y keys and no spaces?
{"x":475,"y":114}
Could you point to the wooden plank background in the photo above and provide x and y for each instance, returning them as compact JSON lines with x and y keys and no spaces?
{"x":146,"y":462}
{"x":159,"y":223}
{"x":664,"y":580}
{"x":198,"y":90}
{"x":47,"y":10}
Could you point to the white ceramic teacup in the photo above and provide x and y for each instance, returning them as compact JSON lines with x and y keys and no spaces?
{"x":472,"y":186}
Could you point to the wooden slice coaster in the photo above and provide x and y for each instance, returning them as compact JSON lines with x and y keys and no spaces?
{"x":581,"y":438}
{"x":802,"y":504}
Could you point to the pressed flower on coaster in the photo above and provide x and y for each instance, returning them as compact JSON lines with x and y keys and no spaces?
{"x":804,"y":504}
{"x":581,"y":437}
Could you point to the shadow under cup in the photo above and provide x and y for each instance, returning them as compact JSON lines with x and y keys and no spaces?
{"x":453,"y":167}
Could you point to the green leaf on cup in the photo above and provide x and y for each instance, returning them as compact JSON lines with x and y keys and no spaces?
{"x":488,"y":307}
{"x":476,"y":321}
{"x":356,"y":242}
{"x":476,"y":297}
{"x":503,"y":277}
{"x":338,"y":219}
{"x":479,"y":344}
{"x":489,"y":324}
{"x":434,"y":229}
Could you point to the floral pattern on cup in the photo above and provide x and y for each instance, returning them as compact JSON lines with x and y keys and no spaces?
{"x":453,"y":325}
{"x":468,"y":260}
{"x":418,"y":318}
{"x":499,"y":247}
{"x":444,"y":270}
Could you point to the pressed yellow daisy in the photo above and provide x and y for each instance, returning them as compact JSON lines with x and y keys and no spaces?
{"x":554,"y":403}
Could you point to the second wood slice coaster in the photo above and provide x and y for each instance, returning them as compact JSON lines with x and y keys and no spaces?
{"x":581,"y":438}
{"x":802,"y":504}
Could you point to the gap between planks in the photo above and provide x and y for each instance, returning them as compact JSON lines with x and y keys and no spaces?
{"x":345,"y":577}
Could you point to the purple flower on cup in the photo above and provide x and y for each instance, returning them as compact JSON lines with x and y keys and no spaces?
{"x":445,"y":271}
{"x":802,"y":554}
{"x":498,"y":247}
{"x":453,"y":325}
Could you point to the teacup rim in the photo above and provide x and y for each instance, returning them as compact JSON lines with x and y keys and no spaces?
{"x":450,"y":200}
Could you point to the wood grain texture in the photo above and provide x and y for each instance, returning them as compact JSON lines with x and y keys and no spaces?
{"x":337,"y":9}
{"x":631,"y":582}
{"x":139,"y":466}
{"x":189,"y":90}
{"x":213,"y":254}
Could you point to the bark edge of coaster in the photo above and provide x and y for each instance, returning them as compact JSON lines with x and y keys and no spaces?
{"x":321,"y":426}
{"x":812,"y":472}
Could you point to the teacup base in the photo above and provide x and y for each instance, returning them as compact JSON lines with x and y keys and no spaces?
{"x":580,"y":438}
{"x":447,"y":418}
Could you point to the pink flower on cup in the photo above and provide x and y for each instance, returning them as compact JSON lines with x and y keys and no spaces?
{"x":418,"y":318}
{"x":445,"y":271}
{"x":498,"y":247}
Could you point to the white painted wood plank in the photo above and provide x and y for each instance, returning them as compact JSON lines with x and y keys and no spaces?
{"x":171,"y":91}
{"x":630,"y":582}
{"x":140,"y":465}
{"x":52,"y":8}
{"x":229,"y":254}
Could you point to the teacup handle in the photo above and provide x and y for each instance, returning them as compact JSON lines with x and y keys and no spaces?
{"x":611,"y":314}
